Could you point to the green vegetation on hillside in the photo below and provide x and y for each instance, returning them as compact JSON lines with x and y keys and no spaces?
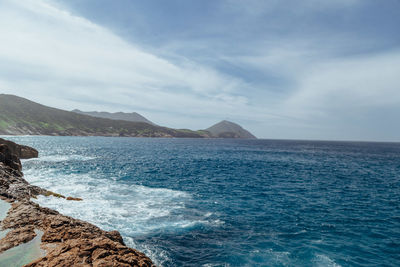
{"x":21,"y":116}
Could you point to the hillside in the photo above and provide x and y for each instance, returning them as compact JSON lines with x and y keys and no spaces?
{"x":227,"y":129}
{"x":19,"y":116}
{"x":134,"y":117}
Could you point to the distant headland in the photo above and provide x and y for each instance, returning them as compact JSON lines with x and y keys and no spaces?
{"x":20,"y":116}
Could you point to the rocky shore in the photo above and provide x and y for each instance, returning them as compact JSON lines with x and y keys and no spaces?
{"x":65,"y":241}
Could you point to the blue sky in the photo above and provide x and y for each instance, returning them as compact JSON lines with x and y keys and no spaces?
{"x":306,"y":69}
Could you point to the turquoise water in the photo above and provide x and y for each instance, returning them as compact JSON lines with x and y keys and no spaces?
{"x":4,"y":207}
{"x":188,"y":202}
{"x":24,"y":253}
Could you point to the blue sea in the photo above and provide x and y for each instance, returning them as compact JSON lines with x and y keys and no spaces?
{"x":193,"y":202}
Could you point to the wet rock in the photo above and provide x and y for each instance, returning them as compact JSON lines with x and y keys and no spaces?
{"x":74,"y":198}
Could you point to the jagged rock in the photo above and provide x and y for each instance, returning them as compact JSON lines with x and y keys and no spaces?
{"x":67,"y":241}
{"x":14,"y":187}
{"x":74,"y":198}
{"x":21,"y":151}
{"x":9,"y":159}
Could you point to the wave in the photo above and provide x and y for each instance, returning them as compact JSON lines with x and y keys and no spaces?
{"x":158,"y":256}
{"x":60,"y":158}
{"x":134,"y":210}
{"x":321,"y":260}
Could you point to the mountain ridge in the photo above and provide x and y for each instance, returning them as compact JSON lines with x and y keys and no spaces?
{"x":133,"y":116}
{"x":20,"y":116}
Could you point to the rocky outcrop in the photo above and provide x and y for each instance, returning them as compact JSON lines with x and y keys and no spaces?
{"x":10,"y":160}
{"x":67,"y":241}
{"x":14,"y":187}
{"x":21,"y":151}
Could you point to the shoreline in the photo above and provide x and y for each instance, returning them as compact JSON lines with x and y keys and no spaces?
{"x":65,"y":240}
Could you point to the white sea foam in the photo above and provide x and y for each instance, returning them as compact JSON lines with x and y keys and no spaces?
{"x":158,"y":256}
{"x":324,"y":261}
{"x":215,"y":265}
{"x":268,"y":257}
{"x":60,"y":158}
{"x":134,"y":210}
{"x":278,"y":257}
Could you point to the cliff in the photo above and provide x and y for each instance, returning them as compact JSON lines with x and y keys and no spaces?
{"x":65,"y":241}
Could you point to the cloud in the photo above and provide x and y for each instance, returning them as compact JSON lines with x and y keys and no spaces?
{"x":53,"y":55}
{"x":261,"y":63}
{"x":323,"y":93}
{"x":353,"y":84}
{"x":263,"y":7}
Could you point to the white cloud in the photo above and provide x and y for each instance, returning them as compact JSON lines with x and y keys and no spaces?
{"x":54,"y":57}
{"x":51,"y":55}
{"x":354,"y":84}
{"x":328,"y":96}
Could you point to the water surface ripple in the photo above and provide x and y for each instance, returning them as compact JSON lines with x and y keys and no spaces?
{"x":189,"y":202}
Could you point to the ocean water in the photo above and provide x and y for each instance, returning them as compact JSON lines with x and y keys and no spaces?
{"x":190,"y":202}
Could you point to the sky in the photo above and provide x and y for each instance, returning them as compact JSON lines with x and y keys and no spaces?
{"x":283,"y":69}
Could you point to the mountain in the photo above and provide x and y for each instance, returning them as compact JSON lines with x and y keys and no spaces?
{"x":134,"y":117}
{"x":20,"y":116}
{"x":227,"y":129}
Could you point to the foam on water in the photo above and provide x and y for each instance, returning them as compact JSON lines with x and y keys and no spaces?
{"x":132,"y":209}
{"x":158,"y":256}
{"x":231,"y":202}
{"x":60,"y":158}
{"x":136,"y":209}
{"x":324,"y":261}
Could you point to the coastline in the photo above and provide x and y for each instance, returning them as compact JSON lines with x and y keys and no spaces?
{"x":64,"y":241}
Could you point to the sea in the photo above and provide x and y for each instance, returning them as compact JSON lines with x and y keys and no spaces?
{"x":230,"y":202}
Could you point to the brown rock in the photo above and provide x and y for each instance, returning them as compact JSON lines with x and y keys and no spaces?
{"x":74,"y":198}
{"x":67,"y":241}
{"x":21,"y":151}
{"x":9,"y":159}
{"x":14,"y":187}
{"x":17,"y":236}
